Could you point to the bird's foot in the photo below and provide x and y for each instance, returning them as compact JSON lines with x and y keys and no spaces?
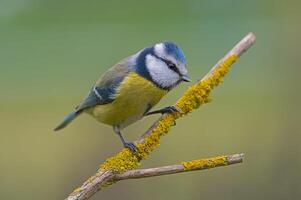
{"x":131,"y":146}
{"x":170,"y":109}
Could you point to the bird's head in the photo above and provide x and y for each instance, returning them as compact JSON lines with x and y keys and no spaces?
{"x":164,"y":64}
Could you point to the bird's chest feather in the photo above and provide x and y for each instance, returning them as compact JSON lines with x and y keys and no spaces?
{"x":133,"y":98}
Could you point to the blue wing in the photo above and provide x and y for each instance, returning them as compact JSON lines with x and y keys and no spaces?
{"x":103,"y":92}
{"x":99,"y":96}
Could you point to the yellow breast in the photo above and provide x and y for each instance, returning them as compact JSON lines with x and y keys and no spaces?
{"x":134,"y":96}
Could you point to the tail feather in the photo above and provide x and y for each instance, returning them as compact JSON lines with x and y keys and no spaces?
{"x":69,"y":118}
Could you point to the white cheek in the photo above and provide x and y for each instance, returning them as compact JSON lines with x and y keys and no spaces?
{"x":160,"y":73}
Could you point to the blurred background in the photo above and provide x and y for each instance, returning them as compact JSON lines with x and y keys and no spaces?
{"x":51,"y":52}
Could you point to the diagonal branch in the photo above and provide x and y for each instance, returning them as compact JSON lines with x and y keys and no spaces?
{"x":196,"y":95}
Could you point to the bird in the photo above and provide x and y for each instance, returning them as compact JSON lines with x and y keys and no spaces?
{"x":128,"y":91}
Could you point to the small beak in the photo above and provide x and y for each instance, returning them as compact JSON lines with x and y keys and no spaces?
{"x":186,"y":78}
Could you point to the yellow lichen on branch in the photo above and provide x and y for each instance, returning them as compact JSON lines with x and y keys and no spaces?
{"x":205,"y":163}
{"x":126,"y":160}
{"x":195,"y":96}
{"x":199,"y":93}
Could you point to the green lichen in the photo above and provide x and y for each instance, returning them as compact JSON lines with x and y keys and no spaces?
{"x":195,"y":96}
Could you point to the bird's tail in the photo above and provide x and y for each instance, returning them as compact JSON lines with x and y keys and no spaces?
{"x":69,"y":118}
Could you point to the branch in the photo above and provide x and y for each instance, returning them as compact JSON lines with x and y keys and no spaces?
{"x":193,"y":165}
{"x":125,"y":161}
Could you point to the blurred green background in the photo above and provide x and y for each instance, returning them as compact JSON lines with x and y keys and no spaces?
{"x":51,"y":52}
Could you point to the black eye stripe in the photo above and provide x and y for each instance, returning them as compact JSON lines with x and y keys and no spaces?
{"x":169,"y":64}
{"x":172,"y":66}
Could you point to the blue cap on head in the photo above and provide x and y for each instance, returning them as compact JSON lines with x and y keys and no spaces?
{"x":175,"y":51}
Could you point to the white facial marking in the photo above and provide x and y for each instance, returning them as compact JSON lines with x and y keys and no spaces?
{"x":182,"y":69}
{"x":161,"y":52}
{"x":160,"y":72}
{"x":160,"y":49}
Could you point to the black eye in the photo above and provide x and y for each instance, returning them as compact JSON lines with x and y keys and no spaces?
{"x":171,"y":65}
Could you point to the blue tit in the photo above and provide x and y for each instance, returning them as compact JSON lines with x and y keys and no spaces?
{"x":127,"y":91}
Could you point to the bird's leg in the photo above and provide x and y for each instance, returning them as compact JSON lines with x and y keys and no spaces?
{"x":168,"y":109}
{"x":131,"y":146}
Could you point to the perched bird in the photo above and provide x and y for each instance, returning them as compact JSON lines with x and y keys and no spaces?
{"x":128,"y":90}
